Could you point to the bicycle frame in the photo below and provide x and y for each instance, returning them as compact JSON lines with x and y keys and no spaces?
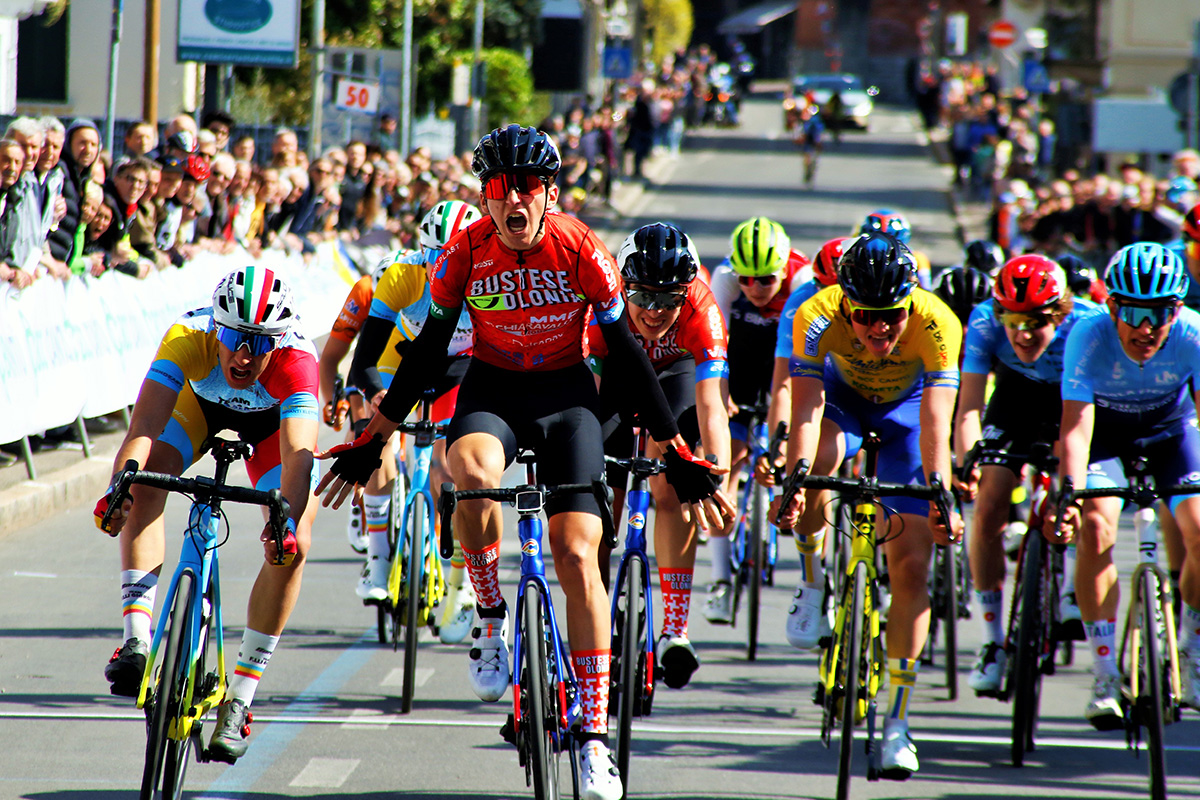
{"x":740,"y":547}
{"x":1145,"y":524}
{"x":422,"y":458}
{"x":198,"y":557}
{"x":637,"y":501}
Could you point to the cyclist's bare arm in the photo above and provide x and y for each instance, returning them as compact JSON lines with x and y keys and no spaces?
{"x":1078,"y":422}
{"x":150,"y":415}
{"x":968,"y":427}
{"x":937,"y":410}
{"x":780,"y":411}
{"x":711,"y":394}
{"x":808,"y":409}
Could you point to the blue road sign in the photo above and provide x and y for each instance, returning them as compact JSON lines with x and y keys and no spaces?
{"x":1035,"y":78}
{"x":618,"y":62}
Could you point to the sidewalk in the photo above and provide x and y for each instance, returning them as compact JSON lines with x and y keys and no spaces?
{"x":970,"y":216}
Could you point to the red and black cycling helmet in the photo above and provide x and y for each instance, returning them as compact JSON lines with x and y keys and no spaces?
{"x":826,"y":262}
{"x":515,"y":149}
{"x":1030,"y":283}
{"x":1191,"y":224}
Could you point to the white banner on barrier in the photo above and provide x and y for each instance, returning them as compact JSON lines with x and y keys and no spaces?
{"x":84,"y":346}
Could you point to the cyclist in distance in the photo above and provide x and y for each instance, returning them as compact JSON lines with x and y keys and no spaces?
{"x":1019,"y":335}
{"x":238,"y":365}
{"x":676,"y":321}
{"x":1082,"y":278}
{"x":892,"y":367}
{"x":398,"y":311}
{"x":751,"y":287}
{"x":528,"y":278}
{"x":963,"y":288}
{"x":1126,"y":380}
{"x":983,"y":255}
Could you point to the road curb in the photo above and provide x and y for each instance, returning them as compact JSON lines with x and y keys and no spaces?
{"x":30,"y":502}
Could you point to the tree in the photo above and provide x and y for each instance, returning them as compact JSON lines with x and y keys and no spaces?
{"x":670,"y":22}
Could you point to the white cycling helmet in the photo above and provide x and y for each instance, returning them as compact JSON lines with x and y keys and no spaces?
{"x":395,"y":257}
{"x":446,"y":219}
{"x":254,"y":300}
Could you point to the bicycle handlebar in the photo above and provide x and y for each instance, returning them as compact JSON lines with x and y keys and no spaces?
{"x":1140,"y":493}
{"x":1040,"y":456}
{"x":202,"y":488}
{"x":638,"y":466}
{"x":450,"y":497}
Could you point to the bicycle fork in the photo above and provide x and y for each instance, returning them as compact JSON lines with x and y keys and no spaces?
{"x":1145,"y":525}
{"x":638,"y":502}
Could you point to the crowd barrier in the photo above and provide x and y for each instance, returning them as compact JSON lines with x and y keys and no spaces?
{"x":82,"y":348}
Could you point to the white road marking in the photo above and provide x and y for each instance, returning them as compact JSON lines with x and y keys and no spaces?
{"x":34,"y":575}
{"x":325,"y":773}
{"x":367,"y":718}
{"x":396,"y":676}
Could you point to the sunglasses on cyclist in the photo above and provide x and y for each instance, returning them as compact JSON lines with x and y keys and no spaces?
{"x":869,"y":316}
{"x":1136,"y":316}
{"x":760,"y":280}
{"x":656,"y":301}
{"x":1019,"y":321}
{"x":256,"y":344}
{"x":498,"y":187}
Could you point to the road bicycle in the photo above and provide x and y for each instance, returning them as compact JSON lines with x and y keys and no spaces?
{"x":181,"y":683}
{"x":949,"y":602}
{"x":1152,"y":693}
{"x":415,"y":582}
{"x":632,"y":663}
{"x":853,"y":657}
{"x":546,"y":704}
{"x":754,"y":546}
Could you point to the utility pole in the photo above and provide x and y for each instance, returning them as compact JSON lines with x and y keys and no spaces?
{"x":118,"y":10}
{"x":406,"y":82}
{"x":477,"y":74}
{"x":316,"y":46}
{"x":150,"y":62}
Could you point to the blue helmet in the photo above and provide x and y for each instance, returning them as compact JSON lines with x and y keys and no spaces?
{"x":1146,"y":271}
{"x":888,"y":221}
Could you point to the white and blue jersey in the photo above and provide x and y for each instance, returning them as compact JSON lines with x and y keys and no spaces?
{"x":986,"y":343}
{"x":787,"y":317}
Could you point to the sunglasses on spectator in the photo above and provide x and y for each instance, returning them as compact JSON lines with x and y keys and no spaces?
{"x":1020,"y":321}
{"x":1136,"y":316}
{"x":498,"y":187}
{"x":256,"y":344}
{"x":656,"y":301}
{"x":869,"y":316}
{"x":758,"y":280}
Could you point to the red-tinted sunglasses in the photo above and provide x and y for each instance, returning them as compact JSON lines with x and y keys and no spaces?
{"x":498,"y":187}
{"x":761,"y":280}
{"x":869,"y":316}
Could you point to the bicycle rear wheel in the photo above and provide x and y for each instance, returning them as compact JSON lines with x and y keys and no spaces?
{"x":950,"y":617}
{"x":415,"y":536}
{"x":538,"y":713}
{"x":756,"y":534}
{"x":1031,"y":636}
{"x":1150,"y":703}
{"x":852,"y":669}
{"x":166,"y":758}
{"x":631,"y":668}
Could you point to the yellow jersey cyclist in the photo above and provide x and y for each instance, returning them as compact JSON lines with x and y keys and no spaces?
{"x":238,"y":365}
{"x":875,"y":353}
{"x":1019,"y":335}
{"x":1128,"y":391}
{"x":676,"y":321}
{"x":528,"y":278}
{"x":751,"y":288}
{"x":398,"y":310}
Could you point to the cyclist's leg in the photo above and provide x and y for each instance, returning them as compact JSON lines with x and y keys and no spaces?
{"x":718,"y":606}
{"x":377,"y":504}
{"x":988,"y":567}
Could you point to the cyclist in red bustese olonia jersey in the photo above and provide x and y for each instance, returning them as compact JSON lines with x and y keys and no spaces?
{"x":239,"y":365}
{"x":528,"y":277}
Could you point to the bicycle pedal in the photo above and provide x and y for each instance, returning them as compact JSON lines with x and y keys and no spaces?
{"x":508,"y":731}
{"x":825,"y":642}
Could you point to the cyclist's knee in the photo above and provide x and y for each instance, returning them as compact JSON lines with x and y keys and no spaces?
{"x":476,"y":466}
{"x":1097,"y":534}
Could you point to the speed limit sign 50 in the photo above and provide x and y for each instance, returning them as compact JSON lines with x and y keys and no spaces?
{"x":356,"y":96}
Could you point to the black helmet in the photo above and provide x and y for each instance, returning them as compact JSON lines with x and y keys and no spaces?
{"x":515,"y":149}
{"x":877,"y":271}
{"x":963,"y":288}
{"x":658,"y":255}
{"x":984,"y":256}
{"x":1079,"y":274}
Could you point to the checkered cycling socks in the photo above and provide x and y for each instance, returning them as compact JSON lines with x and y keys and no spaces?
{"x":1189,"y":628}
{"x":902,"y":679}
{"x":676,"y":587}
{"x":484,"y":568}
{"x":377,"y":508}
{"x":137,"y":602}
{"x":1102,"y":636}
{"x":811,"y":550}
{"x":722,"y":570}
{"x":253,"y":656}
{"x":591,"y":672}
{"x":992,"y":606}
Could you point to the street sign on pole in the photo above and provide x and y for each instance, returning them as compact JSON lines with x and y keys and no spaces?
{"x":618,"y":62}
{"x":1035,"y":77}
{"x":357,"y":96}
{"x":1001,"y":34}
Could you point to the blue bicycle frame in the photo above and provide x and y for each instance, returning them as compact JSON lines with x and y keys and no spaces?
{"x":637,"y":501}
{"x":737,"y":553}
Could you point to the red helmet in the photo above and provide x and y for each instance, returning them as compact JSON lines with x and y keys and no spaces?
{"x":1029,"y":283}
{"x":1191,"y":224}
{"x":825,"y":264}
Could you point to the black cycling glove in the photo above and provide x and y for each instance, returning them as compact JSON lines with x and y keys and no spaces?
{"x":691,"y":477}
{"x":356,"y":461}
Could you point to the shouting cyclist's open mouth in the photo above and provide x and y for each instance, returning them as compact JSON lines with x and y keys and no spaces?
{"x":517,"y":224}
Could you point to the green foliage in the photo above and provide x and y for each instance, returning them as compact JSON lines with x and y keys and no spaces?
{"x":671,"y":22}
{"x":509,"y":94}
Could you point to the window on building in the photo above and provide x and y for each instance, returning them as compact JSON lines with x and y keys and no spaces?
{"x":42,"y":58}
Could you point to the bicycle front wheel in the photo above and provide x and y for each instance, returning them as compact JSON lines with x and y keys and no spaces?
{"x":1027,"y":673}
{"x":950,"y":617}
{"x":631,"y":669}
{"x":166,"y":758}
{"x":414,"y":548}
{"x":756,"y":535}
{"x":852,"y":672}
{"x":1150,"y":702}
{"x":539,"y":717}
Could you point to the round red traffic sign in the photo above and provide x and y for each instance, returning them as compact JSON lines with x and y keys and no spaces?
{"x":1002,"y":33}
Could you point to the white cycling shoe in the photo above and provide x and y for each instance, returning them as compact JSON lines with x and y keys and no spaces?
{"x":598,"y":775}
{"x":459,"y":614}
{"x":488,"y":667}
{"x":372,"y":582}
{"x":807,"y":621}
{"x":899,"y":758}
{"x":1104,"y":710}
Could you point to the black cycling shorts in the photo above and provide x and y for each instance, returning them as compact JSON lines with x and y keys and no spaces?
{"x":1020,"y":413}
{"x":552,"y":413}
{"x":678,"y":382}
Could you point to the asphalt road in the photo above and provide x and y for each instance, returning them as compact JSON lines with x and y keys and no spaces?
{"x":327,"y":722}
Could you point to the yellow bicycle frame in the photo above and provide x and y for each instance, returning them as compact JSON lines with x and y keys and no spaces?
{"x":1133,"y":641}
